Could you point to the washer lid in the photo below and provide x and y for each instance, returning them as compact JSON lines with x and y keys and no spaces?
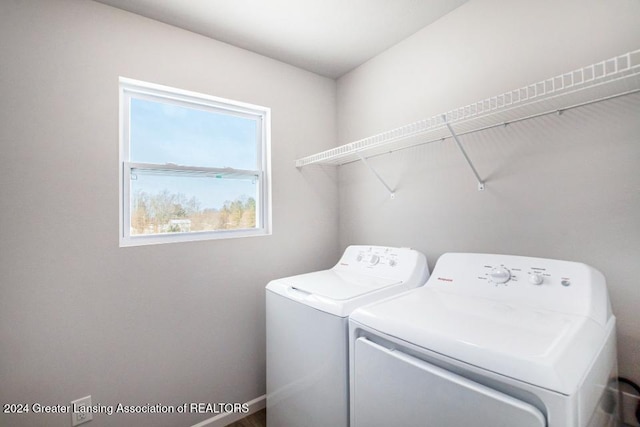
{"x":336,"y":292}
{"x":540,"y":347}
{"x":338,"y":285}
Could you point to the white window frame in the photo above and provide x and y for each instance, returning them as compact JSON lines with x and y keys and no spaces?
{"x":138,"y":89}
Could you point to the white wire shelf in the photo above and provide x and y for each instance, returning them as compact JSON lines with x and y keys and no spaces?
{"x":596,"y":82}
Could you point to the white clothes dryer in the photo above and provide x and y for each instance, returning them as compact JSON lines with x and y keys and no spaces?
{"x":307,"y":331}
{"x":489,"y":341}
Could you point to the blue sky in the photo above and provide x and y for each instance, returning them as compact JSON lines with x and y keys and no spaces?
{"x":164,"y":133}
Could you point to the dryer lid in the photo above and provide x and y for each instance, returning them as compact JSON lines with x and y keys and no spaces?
{"x":545,"y":348}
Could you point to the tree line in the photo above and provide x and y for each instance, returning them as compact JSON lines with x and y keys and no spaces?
{"x":167,"y":212}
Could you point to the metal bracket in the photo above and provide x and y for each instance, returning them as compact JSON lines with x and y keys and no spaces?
{"x":392,"y":193}
{"x":464,"y":153}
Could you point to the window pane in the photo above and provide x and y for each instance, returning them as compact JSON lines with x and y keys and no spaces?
{"x":163,"y":133}
{"x":179,"y":203}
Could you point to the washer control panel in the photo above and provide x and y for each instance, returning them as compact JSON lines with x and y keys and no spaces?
{"x":562,"y":286}
{"x":382,"y":261}
{"x":372,"y":256}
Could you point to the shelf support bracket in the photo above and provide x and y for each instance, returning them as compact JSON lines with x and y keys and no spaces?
{"x":392,"y":193}
{"x":464,"y":153}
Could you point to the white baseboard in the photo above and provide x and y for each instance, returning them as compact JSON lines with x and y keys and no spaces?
{"x":225,"y":419}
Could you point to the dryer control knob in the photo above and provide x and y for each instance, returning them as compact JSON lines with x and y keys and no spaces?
{"x":374,"y":259}
{"x":500,"y":275}
{"x":536,"y":279}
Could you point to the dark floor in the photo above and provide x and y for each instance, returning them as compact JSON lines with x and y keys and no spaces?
{"x":259,"y":419}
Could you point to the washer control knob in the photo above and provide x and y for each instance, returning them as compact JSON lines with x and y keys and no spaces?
{"x":374,"y":259}
{"x":500,"y":275}
{"x":393,"y":263}
{"x":536,"y":279}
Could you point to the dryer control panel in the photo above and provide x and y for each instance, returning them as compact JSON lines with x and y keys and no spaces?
{"x":560,"y":286}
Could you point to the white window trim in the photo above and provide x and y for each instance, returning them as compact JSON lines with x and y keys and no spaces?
{"x":142,"y":89}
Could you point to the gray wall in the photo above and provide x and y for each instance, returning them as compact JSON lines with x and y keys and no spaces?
{"x":166,"y":323}
{"x":184,"y":322}
{"x":563,"y":187}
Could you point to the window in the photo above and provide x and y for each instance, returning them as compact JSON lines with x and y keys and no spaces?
{"x":193,"y":167}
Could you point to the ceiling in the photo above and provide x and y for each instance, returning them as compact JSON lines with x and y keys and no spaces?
{"x":327,"y":37}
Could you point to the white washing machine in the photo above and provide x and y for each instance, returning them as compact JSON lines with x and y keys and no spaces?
{"x":307,"y":331}
{"x":489,"y":341}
